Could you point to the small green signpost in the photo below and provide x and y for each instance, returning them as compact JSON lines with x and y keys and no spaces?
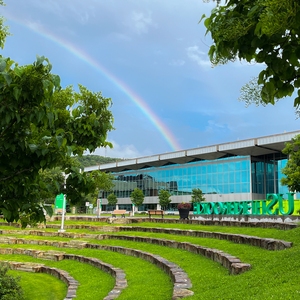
{"x":60,"y":204}
{"x":60,"y":207}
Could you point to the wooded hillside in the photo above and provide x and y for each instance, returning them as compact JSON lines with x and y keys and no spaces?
{"x":94,"y":160}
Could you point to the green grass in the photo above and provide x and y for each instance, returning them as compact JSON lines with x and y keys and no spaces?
{"x":274,"y":274}
{"x":39,"y":286}
{"x":93,"y":286}
{"x":84,"y":273}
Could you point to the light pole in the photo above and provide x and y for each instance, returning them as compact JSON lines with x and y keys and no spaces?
{"x":64,"y":205}
{"x":99,"y":204}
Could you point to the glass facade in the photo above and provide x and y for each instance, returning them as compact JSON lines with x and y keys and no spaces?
{"x":236,"y":174}
{"x":222,"y":176}
{"x":266,"y":174}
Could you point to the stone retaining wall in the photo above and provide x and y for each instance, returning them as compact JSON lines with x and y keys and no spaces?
{"x":281,"y":222}
{"x":118,"y":274}
{"x":232,"y":263}
{"x":234,"y":223}
{"x":266,"y":243}
{"x":181,"y":281}
{"x":40,"y":268}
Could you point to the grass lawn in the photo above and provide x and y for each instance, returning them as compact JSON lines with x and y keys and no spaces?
{"x":39,"y":286}
{"x":274,"y":274}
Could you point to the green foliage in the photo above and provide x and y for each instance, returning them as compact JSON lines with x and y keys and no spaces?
{"x":292,"y":168}
{"x":41,"y":126}
{"x":103,"y":182}
{"x":112,"y":199}
{"x":251,"y":93}
{"x":10,"y":288}
{"x":94,"y":160}
{"x":137,"y":197}
{"x":3,"y":30}
{"x":164,"y":198}
{"x":52,"y":181}
{"x":262,"y":32}
{"x":197,"y":195}
{"x":95,"y":182}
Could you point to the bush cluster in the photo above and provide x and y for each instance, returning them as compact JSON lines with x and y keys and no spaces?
{"x":10,"y":288}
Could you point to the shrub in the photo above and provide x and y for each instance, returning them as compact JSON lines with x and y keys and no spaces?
{"x":10,"y":288}
{"x":184,"y":205}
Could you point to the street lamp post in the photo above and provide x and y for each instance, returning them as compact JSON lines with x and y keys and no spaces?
{"x":63,"y":206}
{"x":99,"y":204}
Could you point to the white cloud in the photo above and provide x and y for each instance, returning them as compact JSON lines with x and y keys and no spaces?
{"x":141,"y":21}
{"x":197,"y":103}
{"x":49,"y":6}
{"x":120,"y":151}
{"x":198,"y":56}
{"x":78,"y":10}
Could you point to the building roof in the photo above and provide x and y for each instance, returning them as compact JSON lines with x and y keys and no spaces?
{"x":254,"y":147}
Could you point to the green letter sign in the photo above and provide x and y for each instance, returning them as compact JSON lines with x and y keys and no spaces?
{"x":273,"y":205}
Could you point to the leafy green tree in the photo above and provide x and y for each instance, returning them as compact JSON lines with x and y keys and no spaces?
{"x":41,"y":126}
{"x":265,"y":32}
{"x":52,"y":181}
{"x":197,"y":195}
{"x":103,"y":182}
{"x":10,"y":288}
{"x":94,"y":182}
{"x":3,"y":30}
{"x":112,"y":199}
{"x":137,"y":197}
{"x":164,"y":198}
{"x":292,"y":168}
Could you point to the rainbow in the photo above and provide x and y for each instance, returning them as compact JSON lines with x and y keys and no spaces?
{"x":134,"y":97}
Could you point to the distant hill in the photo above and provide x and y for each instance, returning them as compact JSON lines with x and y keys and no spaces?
{"x":94,"y":160}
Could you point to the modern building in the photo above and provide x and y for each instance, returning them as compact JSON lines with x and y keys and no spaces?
{"x":236,"y":171}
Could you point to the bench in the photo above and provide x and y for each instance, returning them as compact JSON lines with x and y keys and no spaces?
{"x":120,"y":212}
{"x":156,"y":212}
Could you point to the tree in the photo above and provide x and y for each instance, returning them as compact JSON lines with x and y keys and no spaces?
{"x":102,"y":181}
{"x":197,"y":195}
{"x":88,"y":188}
{"x":164,"y":198}
{"x":262,"y":32}
{"x":10,"y":286}
{"x":137,"y":197}
{"x":292,"y":168}
{"x":112,"y":199}
{"x":3,"y":30}
{"x":53,"y":181}
{"x":41,"y":126}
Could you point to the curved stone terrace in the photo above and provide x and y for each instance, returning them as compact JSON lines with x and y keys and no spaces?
{"x":118,"y":274}
{"x":271,"y":223}
{"x":181,"y":281}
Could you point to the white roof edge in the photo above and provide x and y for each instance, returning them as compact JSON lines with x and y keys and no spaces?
{"x":286,"y":136}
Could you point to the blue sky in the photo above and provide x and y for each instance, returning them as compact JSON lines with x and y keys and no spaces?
{"x":150,"y":58}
